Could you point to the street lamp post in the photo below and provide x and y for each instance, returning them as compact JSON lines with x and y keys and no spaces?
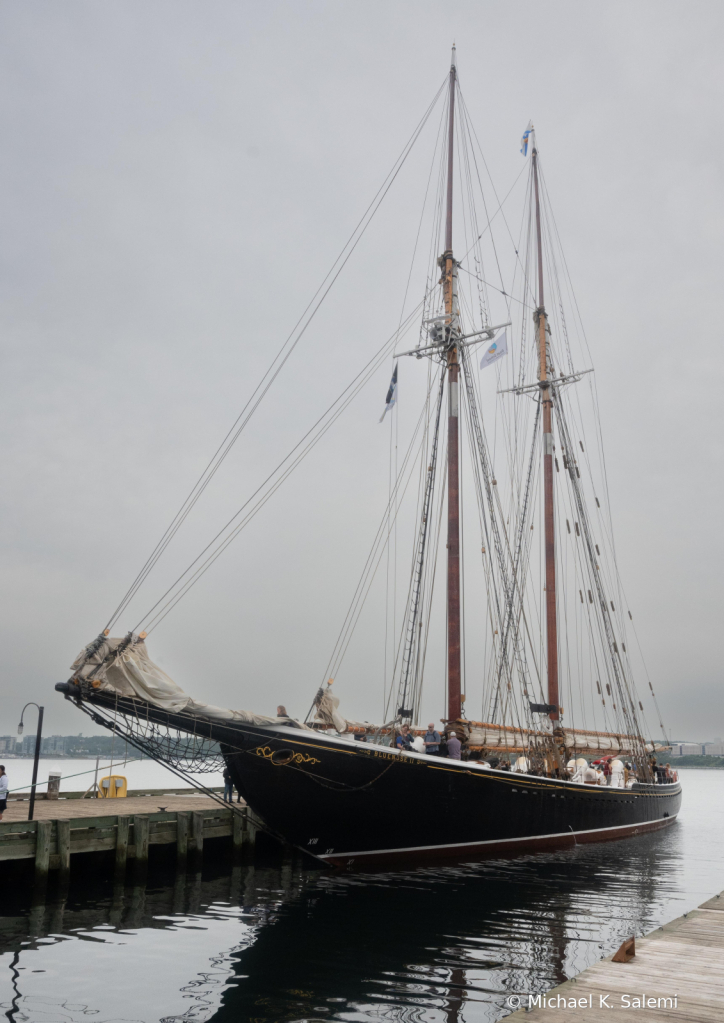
{"x":31,"y":809}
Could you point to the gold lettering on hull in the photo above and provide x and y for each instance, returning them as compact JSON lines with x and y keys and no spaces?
{"x":280,"y":758}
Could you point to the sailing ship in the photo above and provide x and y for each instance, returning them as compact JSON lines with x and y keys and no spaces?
{"x":524,"y":781}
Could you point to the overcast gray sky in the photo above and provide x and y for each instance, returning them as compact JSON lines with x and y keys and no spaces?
{"x":175,"y":180}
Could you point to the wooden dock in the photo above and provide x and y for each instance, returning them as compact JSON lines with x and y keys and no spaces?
{"x":67,"y":809}
{"x":676,"y":974}
{"x":127,"y":827}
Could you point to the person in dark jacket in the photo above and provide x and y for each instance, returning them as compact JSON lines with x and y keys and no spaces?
{"x":432,"y":740}
{"x":228,"y":786}
{"x":404,"y":739}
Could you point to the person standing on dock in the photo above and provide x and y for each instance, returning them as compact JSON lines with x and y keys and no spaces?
{"x":228,"y":786}
{"x":3,"y":791}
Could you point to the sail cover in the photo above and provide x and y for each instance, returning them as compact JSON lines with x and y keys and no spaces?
{"x":327,"y":713}
{"x":132,"y":673}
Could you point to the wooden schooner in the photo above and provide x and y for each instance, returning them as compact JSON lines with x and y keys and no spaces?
{"x":524,"y":781}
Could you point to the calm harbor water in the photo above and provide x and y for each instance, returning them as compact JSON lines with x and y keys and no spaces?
{"x":279,"y":942}
{"x":77,"y":775}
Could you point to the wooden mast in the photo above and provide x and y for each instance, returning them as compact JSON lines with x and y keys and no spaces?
{"x":454,"y":707}
{"x":549,"y":513}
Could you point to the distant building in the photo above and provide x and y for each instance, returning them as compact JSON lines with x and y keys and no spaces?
{"x":714,"y":749}
{"x":104,"y":746}
{"x":53,"y":745}
{"x":26,"y":746}
{"x":697,"y":749}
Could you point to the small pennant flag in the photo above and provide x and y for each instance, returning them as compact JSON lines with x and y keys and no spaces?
{"x":497,"y":350}
{"x":391,"y":394}
{"x":524,"y":140}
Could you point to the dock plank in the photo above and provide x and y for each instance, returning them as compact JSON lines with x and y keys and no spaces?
{"x":681,"y":961}
{"x":62,"y":809}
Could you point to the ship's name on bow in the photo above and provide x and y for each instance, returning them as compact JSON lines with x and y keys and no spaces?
{"x":397,"y":757}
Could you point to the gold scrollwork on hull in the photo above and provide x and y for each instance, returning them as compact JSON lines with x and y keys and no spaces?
{"x":282,"y":757}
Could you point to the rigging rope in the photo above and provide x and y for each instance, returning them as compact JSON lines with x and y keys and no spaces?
{"x":273,"y":481}
{"x":277,"y":364}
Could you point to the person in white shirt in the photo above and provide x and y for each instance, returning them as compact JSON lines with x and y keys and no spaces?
{"x":3,"y":791}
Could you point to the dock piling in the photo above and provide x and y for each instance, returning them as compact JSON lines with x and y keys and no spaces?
{"x":237,"y":834}
{"x":123,"y":825}
{"x":197,"y":835}
{"x":140,"y":837}
{"x":63,"y":842}
{"x":56,"y":912}
{"x":250,"y":830}
{"x":115,"y":914}
{"x":179,"y":891}
{"x":42,"y":852}
{"x":182,"y":838}
{"x":135,"y":906}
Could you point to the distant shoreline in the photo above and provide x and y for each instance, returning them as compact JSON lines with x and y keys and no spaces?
{"x":699,"y":762}
{"x":78,"y":756}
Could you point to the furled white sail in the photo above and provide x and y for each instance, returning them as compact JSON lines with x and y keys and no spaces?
{"x":493,"y":736}
{"x":326,"y":710}
{"x":133,"y":674}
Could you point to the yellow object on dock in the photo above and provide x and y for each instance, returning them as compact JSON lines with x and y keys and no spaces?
{"x":113,"y":786}
{"x":676,"y":974}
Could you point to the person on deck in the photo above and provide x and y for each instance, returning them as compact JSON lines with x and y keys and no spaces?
{"x":282,"y":711}
{"x":432,"y":740}
{"x":404,"y":739}
{"x":3,"y":791}
{"x":453,"y":746}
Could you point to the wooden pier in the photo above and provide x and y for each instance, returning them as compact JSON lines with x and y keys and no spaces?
{"x":127,"y":827}
{"x":676,"y":974}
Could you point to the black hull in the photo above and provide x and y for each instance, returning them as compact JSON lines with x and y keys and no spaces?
{"x":348,"y":802}
{"x":352,"y":803}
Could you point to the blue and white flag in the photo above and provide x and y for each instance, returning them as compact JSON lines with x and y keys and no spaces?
{"x":497,"y":350}
{"x":524,"y":140}
{"x":391,"y":394}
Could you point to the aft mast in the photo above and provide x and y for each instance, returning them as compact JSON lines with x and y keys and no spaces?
{"x":449,"y":281}
{"x":546,"y":394}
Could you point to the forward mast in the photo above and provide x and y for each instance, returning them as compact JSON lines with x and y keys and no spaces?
{"x":449,"y":282}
